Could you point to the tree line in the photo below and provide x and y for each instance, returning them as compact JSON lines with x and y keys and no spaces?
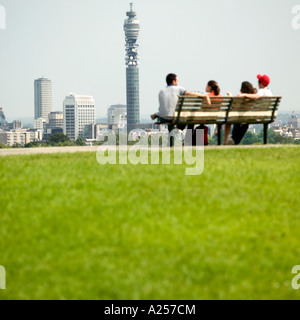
{"x":253,"y":138}
{"x":61,"y":140}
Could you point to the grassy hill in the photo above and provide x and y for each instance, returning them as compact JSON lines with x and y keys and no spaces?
{"x":72,"y":229}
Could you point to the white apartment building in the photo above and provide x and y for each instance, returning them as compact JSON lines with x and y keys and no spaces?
{"x":12,"y":137}
{"x":21,"y":137}
{"x":79,"y":111}
{"x":39,"y":123}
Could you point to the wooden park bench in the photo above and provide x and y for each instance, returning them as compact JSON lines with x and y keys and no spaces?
{"x":223,"y":110}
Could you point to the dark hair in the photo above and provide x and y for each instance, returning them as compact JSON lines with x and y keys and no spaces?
{"x":247,"y":87}
{"x":170,"y":78}
{"x":215,"y":87}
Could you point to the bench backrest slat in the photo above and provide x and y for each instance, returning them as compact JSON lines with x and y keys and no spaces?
{"x":195,"y":110}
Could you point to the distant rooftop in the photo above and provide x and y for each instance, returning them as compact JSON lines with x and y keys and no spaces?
{"x":43,"y":79}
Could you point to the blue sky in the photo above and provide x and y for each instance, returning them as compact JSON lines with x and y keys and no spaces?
{"x":79,"y":45}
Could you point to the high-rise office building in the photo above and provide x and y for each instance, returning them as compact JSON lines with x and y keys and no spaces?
{"x":117,"y":115}
{"x":56,"y":120}
{"x":132,"y":28}
{"x":17,"y":124}
{"x":42,"y":98}
{"x":2,"y":119}
{"x":79,"y":111}
{"x":293,"y":120}
{"x":92,"y":130}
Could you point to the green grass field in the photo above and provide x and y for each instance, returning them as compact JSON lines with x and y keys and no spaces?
{"x":73,"y":229}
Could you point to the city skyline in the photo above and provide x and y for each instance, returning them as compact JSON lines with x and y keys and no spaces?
{"x":43,"y":46}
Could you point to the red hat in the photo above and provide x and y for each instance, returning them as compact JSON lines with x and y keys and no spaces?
{"x":265,"y":80}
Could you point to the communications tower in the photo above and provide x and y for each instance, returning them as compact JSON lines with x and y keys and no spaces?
{"x":132,"y":28}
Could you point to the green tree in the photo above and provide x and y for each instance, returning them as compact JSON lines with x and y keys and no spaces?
{"x":58,"y":138}
{"x":17,"y":145}
{"x":32,"y":144}
{"x":250,"y":138}
{"x":80,"y":142}
{"x":213,"y":141}
{"x":276,"y":138}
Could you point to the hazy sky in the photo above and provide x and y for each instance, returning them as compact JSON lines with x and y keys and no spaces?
{"x":79,"y":45}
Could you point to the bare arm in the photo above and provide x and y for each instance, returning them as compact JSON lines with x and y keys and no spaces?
{"x":199,"y":95}
{"x":249,"y":96}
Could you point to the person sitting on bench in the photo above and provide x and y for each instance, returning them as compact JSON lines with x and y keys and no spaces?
{"x":213,"y":89}
{"x":168,"y":99}
{"x":239,"y":130}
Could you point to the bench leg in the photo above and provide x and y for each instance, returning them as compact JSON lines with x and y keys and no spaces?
{"x":219,"y":134}
{"x":171,"y":138}
{"x":266,"y":126}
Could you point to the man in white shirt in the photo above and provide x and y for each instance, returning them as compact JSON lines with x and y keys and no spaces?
{"x":168,"y":98}
{"x":263,"y":82}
